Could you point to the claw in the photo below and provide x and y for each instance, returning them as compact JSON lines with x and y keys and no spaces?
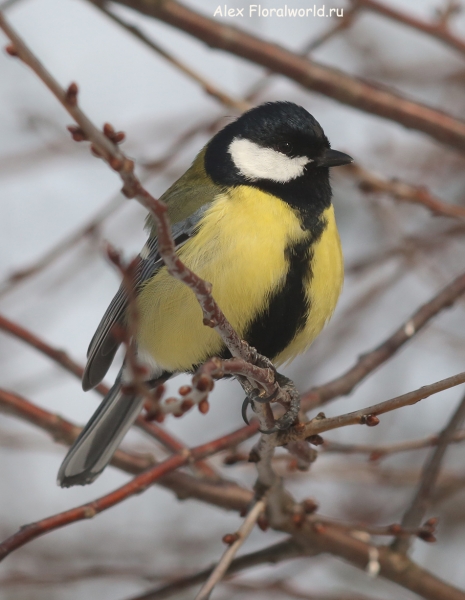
{"x":245,"y":406}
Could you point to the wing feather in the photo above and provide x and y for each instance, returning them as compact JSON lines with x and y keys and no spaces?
{"x":103,"y":346}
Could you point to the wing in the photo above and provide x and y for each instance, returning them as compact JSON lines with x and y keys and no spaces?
{"x":103,"y":346}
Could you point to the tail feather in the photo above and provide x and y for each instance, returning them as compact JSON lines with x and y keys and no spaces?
{"x":98,"y":441}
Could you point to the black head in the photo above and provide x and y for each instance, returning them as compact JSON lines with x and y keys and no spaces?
{"x":279,"y":148}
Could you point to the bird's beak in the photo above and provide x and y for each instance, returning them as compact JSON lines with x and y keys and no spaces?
{"x":333,"y":158}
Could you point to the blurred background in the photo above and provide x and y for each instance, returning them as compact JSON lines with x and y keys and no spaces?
{"x":398,"y":255}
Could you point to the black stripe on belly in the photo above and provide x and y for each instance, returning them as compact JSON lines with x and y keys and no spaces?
{"x":286,"y":314}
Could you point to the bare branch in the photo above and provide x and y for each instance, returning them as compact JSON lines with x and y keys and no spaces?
{"x":207,"y":86}
{"x":273,"y":554}
{"x":236,"y":540}
{"x":62,"y":246}
{"x":422,"y":498}
{"x":439,"y":30}
{"x":311,"y":75}
{"x":371,"y":183}
{"x":368,"y":416}
{"x":370,"y":361}
{"x":379,"y":452}
{"x":137,"y":485}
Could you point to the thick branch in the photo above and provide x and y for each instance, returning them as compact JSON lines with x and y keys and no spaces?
{"x":325,"y":80}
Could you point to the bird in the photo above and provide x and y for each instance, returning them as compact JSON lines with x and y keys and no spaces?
{"x":253,"y":215}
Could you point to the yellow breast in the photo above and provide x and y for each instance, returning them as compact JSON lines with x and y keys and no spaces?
{"x":245,"y":262}
{"x":323,"y":289}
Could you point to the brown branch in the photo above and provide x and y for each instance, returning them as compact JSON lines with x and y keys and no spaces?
{"x":425,"y":531}
{"x":208,"y":87}
{"x":58,"y":356}
{"x":203,"y":382}
{"x":236,"y":540}
{"x":377,"y":452}
{"x":62,"y":246}
{"x":62,"y":358}
{"x":371,"y":183}
{"x":233,"y":497}
{"x":438,"y":30}
{"x":223,"y":494}
{"x":422,"y":498}
{"x":137,"y":485}
{"x":273,"y":554}
{"x":105,"y":145}
{"x":311,"y":75}
{"x":64,"y":432}
{"x":368,"y":416}
{"x":367,"y":363}
{"x":395,"y":567}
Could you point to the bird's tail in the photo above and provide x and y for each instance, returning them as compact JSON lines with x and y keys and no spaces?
{"x":98,"y":441}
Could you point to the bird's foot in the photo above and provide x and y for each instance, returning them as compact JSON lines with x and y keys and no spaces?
{"x":292,"y":412}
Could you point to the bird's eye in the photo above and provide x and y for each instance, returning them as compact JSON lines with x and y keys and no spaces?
{"x":284,"y":148}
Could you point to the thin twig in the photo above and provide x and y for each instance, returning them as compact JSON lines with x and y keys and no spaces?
{"x":371,"y":183}
{"x":239,"y":538}
{"x":273,"y":554}
{"x":62,"y":358}
{"x":207,"y":86}
{"x":438,"y":30}
{"x":369,"y":416}
{"x":376,"y":452}
{"x":137,"y":485}
{"x":422,"y":498}
{"x":367,"y":363}
{"x":62,"y":246}
{"x":311,"y":75}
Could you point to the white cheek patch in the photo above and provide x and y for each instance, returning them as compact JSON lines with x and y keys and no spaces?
{"x":255,"y":162}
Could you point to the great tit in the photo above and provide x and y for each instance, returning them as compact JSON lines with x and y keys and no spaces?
{"x":253,"y":216}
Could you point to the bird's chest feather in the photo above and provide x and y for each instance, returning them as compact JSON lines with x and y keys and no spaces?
{"x":242,"y":248}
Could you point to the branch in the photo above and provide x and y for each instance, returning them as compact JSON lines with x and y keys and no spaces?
{"x":231,"y":496}
{"x":64,"y":432}
{"x":422,"y":498}
{"x":137,"y":485}
{"x":368,"y":416}
{"x":104,"y":145}
{"x":311,"y":75}
{"x":273,"y":554}
{"x":379,"y":452}
{"x":438,"y":30}
{"x":62,"y":246}
{"x":62,"y":358}
{"x":367,"y":363}
{"x":371,"y":183}
{"x":236,"y":540}
{"x":208,"y":87}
